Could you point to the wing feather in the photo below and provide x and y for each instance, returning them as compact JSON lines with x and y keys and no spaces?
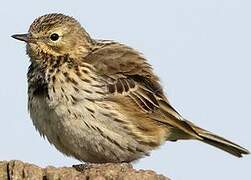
{"x":132,"y":77}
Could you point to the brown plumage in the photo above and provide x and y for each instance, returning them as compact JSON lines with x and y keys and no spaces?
{"x":98,"y":100}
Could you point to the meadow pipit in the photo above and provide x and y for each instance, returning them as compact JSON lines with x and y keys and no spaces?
{"x":99,"y":101}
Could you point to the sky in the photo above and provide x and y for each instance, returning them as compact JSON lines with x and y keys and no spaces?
{"x":199,"y":49}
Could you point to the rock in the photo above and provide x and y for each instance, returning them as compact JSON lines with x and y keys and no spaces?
{"x":18,"y":170}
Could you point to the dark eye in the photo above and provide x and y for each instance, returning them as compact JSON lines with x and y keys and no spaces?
{"x":54,"y":37}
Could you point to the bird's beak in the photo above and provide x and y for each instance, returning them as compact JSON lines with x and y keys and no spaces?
{"x":21,"y":37}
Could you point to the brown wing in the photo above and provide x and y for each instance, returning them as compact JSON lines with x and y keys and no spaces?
{"x":127,"y":75}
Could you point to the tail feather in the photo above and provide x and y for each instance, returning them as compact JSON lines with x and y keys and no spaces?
{"x":219,"y":142}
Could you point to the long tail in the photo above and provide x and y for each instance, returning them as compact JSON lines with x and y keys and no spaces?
{"x":219,"y":142}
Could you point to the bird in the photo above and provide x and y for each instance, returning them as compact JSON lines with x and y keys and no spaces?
{"x":100,"y":101}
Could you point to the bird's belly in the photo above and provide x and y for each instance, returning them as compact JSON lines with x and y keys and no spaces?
{"x":80,"y":132}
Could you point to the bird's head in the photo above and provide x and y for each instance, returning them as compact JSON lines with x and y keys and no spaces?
{"x":56,"y":35}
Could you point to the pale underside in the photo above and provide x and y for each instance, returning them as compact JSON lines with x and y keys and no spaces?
{"x":99,"y":118}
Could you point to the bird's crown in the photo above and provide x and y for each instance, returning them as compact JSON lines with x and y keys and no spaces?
{"x":46,"y":22}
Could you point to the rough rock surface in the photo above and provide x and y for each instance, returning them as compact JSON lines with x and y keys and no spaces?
{"x":18,"y":170}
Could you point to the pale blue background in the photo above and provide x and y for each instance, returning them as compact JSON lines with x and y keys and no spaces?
{"x":200,"y":49}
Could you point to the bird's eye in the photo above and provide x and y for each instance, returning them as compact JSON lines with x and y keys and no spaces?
{"x":54,"y":37}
